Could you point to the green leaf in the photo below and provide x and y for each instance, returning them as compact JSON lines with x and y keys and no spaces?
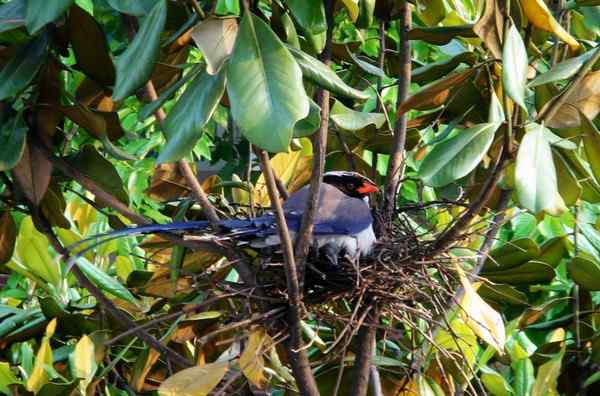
{"x":41,"y":12}
{"x":568,"y":186}
{"x":434,"y":71}
{"x":104,"y":281}
{"x":135,"y":65}
{"x":20,"y":70}
{"x":592,"y":379}
{"x":553,"y":251}
{"x":530,"y":272}
{"x":183,"y":126}
{"x":547,"y":377}
{"x":535,"y":174}
{"x":12,"y":15}
{"x":495,"y":384}
{"x":440,"y":35}
{"x":503,"y":294}
{"x":585,"y":271}
{"x":366,"y":66}
{"x":310,"y":15}
{"x":496,"y":112}
{"x":563,"y":70}
{"x":514,"y":66}
{"x":133,"y":7}
{"x":307,"y":126}
{"x":322,"y":75}
{"x":12,"y":142}
{"x":455,"y":157}
{"x":7,"y":377}
{"x":365,"y":13}
{"x":558,"y":141}
{"x":524,"y":376}
{"x":264,"y":87}
{"x":591,"y":144}
{"x":352,"y":120}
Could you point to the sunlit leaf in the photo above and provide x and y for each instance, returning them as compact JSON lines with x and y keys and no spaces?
{"x":251,"y":361}
{"x":82,"y":361}
{"x":261,"y":71}
{"x":215,"y":38}
{"x":39,"y":377}
{"x":194,"y":381}
{"x":352,"y":6}
{"x":7,"y":377}
{"x":310,"y":14}
{"x":547,"y":377}
{"x":495,"y":383}
{"x":535,"y":174}
{"x":353,"y":120}
{"x":105,"y":281}
{"x":135,"y":65}
{"x":541,"y":17}
{"x":514,"y":66}
{"x":584,"y":99}
{"x":563,"y":70}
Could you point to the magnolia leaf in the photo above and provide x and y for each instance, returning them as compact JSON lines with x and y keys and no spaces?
{"x":322,"y":75}
{"x":496,"y":112}
{"x":455,"y":157}
{"x":194,"y":381}
{"x":310,"y":15}
{"x":215,"y":38}
{"x":40,"y":12}
{"x":82,"y":362}
{"x":183,"y":126}
{"x":515,"y":66}
{"x":132,"y":7}
{"x":265,"y":87}
{"x":490,"y":27}
{"x":511,"y":254}
{"x":366,"y":66}
{"x":365,"y":14}
{"x":558,"y":141}
{"x":307,"y":126}
{"x":353,"y":9}
{"x":12,"y":142}
{"x":495,"y":383}
{"x":436,"y":70}
{"x":583,"y":100}
{"x":591,"y":144}
{"x":569,"y":187}
{"x":535,"y":174}
{"x":531,"y":272}
{"x":541,"y":17}
{"x":105,"y":281}
{"x":440,"y":35}
{"x":547,"y":376}
{"x":251,"y":361}
{"x":352,"y":120}
{"x":563,"y":70}
{"x":585,"y":271}
{"x":39,"y":377}
{"x":135,"y":65}
{"x":480,"y":317}
{"x":293,"y":169}
{"x":22,"y":67}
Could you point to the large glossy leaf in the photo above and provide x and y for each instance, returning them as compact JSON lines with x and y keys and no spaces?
{"x":322,"y":75}
{"x":455,"y":157}
{"x":198,"y":380}
{"x":436,"y":70}
{"x":511,"y":254}
{"x":12,"y":15}
{"x":135,"y":65}
{"x":132,"y":7}
{"x":585,"y":271}
{"x":264,"y":87}
{"x":215,"y":38}
{"x":569,"y":187}
{"x":104,"y":281}
{"x":563,"y":70}
{"x":585,"y":99}
{"x":12,"y":143}
{"x":528,"y":273}
{"x":352,"y":120}
{"x":310,"y":15}
{"x":307,"y":126}
{"x":514,"y":66}
{"x":21,"y":69}
{"x":40,"y":12}
{"x":32,"y":173}
{"x":183,"y":126}
{"x":535,"y":174}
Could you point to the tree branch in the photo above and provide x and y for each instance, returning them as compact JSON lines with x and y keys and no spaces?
{"x":304,"y":237}
{"x":297,"y":354}
{"x":396,"y":163}
{"x":362,"y":361}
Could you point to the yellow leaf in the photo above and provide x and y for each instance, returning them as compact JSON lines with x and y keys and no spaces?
{"x":540,"y":16}
{"x":460,"y":339}
{"x":124,"y":266}
{"x":39,"y":376}
{"x":480,"y":317}
{"x":82,"y":214}
{"x":251,"y":360}
{"x":352,"y":6}
{"x":83,"y":362}
{"x":545,"y":382}
{"x":194,"y":381}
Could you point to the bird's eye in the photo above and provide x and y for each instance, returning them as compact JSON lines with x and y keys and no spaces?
{"x":350,"y":186}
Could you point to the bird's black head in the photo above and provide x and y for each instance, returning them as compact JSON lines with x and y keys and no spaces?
{"x":350,"y":183}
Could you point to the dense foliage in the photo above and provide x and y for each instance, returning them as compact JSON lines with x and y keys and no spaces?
{"x":478,"y":118}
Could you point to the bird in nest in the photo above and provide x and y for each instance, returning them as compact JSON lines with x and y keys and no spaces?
{"x":343,"y":223}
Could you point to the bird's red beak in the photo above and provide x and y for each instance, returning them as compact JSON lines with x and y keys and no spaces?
{"x":367,"y":188}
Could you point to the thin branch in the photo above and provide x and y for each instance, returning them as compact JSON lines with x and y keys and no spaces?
{"x":304,"y":238}
{"x":362,"y":361}
{"x":396,"y":163}
{"x":297,"y":354}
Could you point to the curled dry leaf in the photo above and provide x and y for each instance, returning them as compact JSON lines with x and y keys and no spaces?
{"x":490,"y":27}
{"x":584,"y":99}
{"x":215,"y":38}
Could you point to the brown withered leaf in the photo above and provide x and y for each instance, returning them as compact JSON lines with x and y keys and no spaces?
{"x":490,"y":27}
{"x":8,"y":236}
{"x":215,"y":38}
{"x":53,"y":207}
{"x":90,"y":47}
{"x":89,"y":92}
{"x":434,"y":94}
{"x":32,"y":173}
{"x":585,"y":98}
{"x":167,"y":183}
{"x":96,"y":123}
{"x":47,"y":118}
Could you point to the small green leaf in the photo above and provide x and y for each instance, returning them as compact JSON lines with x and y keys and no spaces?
{"x":366,"y":9}
{"x":523,"y":376}
{"x":514,"y":66}
{"x":41,"y":12}
{"x":133,"y":7}
{"x":12,"y":15}
{"x":265,"y":86}
{"x":183,"y":126}
{"x":322,"y":75}
{"x":530,"y":272}
{"x":585,"y":271}
{"x":352,"y":120}
{"x":511,"y":254}
{"x":310,"y":15}
{"x":569,"y":186}
{"x":135,"y":65}
{"x":20,"y":70}
{"x":535,"y":174}
{"x":455,"y":157}
{"x":563,"y":70}
{"x":12,"y":142}
{"x":558,"y":141}
{"x":366,"y":66}
{"x":307,"y":126}
{"x":104,"y":281}
{"x":7,"y":377}
{"x":495,"y":383}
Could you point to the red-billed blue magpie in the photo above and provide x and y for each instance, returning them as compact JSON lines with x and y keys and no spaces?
{"x":343,"y":223}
